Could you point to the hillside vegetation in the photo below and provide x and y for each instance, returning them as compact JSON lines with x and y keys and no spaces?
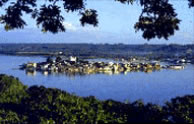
{"x":37,"y":104}
{"x":100,"y":50}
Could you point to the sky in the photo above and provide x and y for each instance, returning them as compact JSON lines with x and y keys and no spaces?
{"x":116,"y":25}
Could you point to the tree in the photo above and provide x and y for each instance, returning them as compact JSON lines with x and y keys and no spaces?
{"x":158,"y":17}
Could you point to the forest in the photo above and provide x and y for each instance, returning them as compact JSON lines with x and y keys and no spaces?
{"x":37,"y":104}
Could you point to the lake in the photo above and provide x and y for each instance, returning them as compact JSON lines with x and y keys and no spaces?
{"x":156,"y":87}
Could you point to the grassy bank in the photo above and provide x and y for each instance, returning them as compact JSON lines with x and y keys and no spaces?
{"x":22,"y":104}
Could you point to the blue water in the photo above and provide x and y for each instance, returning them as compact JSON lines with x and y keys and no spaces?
{"x":156,"y":87}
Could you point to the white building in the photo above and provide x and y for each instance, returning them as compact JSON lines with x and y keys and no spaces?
{"x":73,"y":59}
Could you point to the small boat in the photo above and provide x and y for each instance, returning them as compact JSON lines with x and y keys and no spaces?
{"x":177,"y":67}
{"x":22,"y":67}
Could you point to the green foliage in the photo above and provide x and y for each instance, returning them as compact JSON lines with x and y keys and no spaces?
{"x":191,"y":3}
{"x":49,"y":16}
{"x":50,"y":19}
{"x":181,"y":109}
{"x":89,"y":17}
{"x":8,"y":116}
{"x":11,"y":89}
{"x":48,"y":105}
{"x":158,"y":18}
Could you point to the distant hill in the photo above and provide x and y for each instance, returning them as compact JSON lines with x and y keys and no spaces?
{"x":98,"y":50}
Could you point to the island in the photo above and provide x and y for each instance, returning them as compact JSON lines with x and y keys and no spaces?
{"x":76,"y":66}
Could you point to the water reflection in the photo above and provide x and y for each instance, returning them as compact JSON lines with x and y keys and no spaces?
{"x":31,"y":73}
{"x":73,"y":74}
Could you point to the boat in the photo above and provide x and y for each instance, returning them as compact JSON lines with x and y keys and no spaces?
{"x":177,"y":67}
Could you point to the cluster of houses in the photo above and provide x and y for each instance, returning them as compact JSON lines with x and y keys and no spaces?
{"x":73,"y":66}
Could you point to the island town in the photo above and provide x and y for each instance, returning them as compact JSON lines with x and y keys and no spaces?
{"x":76,"y":66}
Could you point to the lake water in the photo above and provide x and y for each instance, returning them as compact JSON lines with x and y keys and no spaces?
{"x":156,"y":87}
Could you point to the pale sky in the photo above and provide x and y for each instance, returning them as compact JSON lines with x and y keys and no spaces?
{"x":116,"y":25}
